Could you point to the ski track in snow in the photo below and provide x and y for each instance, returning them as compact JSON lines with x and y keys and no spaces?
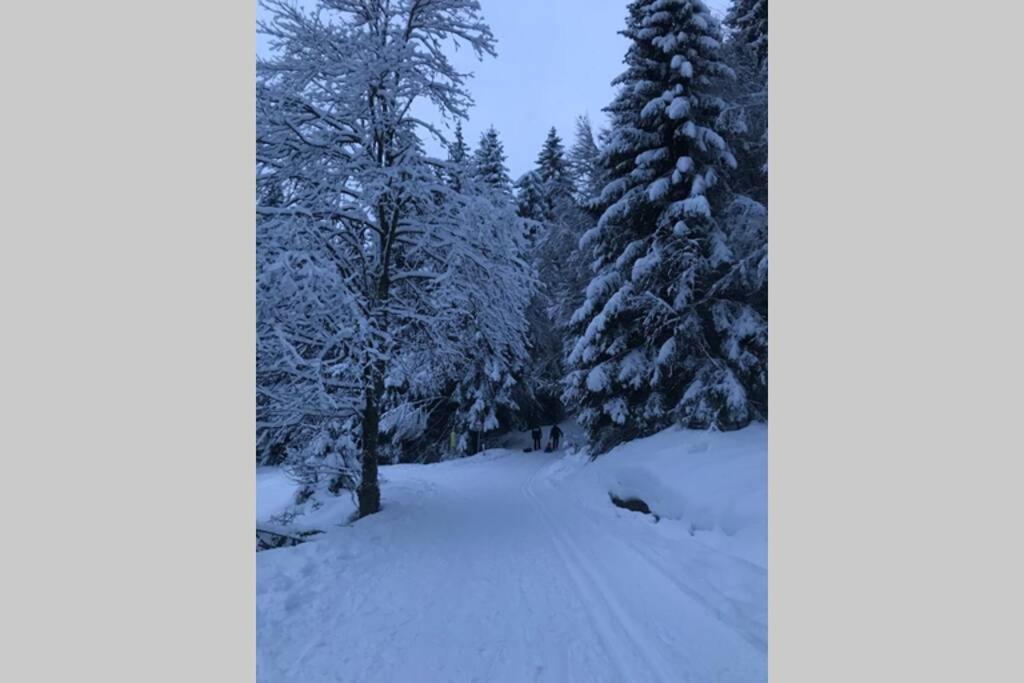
{"x":491,"y":569}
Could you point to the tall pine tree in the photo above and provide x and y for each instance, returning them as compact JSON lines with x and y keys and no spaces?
{"x":656,"y":340}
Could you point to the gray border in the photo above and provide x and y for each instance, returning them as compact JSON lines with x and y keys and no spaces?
{"x":128,"y":341}
{"x":127,"y":296}
{"x":895,"y":336}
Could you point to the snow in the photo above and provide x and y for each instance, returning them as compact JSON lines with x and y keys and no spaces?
{"x":597,"y":379}
{"x":680,"y":107}
{"x":275,"y":491}
{"x":684,"y":164}
{"x":658,"y":189}
{"x":651,"y":156}
{"x":666,"y":351}
{"x":645,"y":265}
{"x":617,"y":409}
{"x":632,"y":369}
{"x":712,"y":482}
{"x":276,"y":509}
{"x":513,"y":566}
{"x":696,"y":206}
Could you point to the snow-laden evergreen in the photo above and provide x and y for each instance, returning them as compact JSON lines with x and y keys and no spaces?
{"x":458,"y":159}
{"x":369,"y":259}
{"x":659,"y":338}
{"x":749,"y":20}
{"x":554,"y":220}
{"x":745,"y":119}
{"x":490,"y":316}
{"x":489,"y":162}
{"x":555,"y":178}
{"x":584,"y":164}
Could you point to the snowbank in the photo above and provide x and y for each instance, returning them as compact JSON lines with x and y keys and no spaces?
{"x":712,"y":485}
{"x":276,"y":509}
{"x":274,"y":492}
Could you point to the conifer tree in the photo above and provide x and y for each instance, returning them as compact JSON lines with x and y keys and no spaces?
{"x":554,"y":174}
{"x":656,"y":340}
{"x":745,"y":119}
{"x":458,"y":150}
{"x":749,"y":20}
{"x":556,"y":222}
{"x":489,"y":160}
{"x":551,"y":162}
{"x":458,"y":159}
{"x":530,"y":203}
{"x":464,"y":380}
{"x":587,"y":178}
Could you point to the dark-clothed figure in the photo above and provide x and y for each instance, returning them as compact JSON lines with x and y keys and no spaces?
{"x":556,"y":435}
{"x":536,"y":434}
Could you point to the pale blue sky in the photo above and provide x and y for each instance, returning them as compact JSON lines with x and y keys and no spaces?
{"x":556,"y":60}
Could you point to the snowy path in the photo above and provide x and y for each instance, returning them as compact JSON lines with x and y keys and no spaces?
{"x":492,"y":569}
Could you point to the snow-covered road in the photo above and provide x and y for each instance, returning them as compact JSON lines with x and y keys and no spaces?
{"x":497,"y":568}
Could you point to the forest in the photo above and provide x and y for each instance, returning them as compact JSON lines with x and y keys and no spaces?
{"x":414,"y":307}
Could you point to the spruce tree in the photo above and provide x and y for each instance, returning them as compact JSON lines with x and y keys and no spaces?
{"x":458,"y":150}
{"x":587,"y":178}
{"x":458,"y":159}
{"x":655,"y":341}
{"x":749,"y":20}
{"x":484,"y":325}
{"x":556,"y":222}
{"x":489,"y":161}
{"x":746,"y":118}
{"x":553,"y":173}
{"x":530,"y":203}
{"x":551,"y":159}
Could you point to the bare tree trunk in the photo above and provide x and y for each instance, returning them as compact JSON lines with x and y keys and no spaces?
{"x":369,"y":488}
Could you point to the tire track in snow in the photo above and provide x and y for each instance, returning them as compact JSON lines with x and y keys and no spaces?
{"x":744,"y":627}
{"x":605,"y":635}
{"x":728,"y":614}
{"x":552,"y":594}
{"x":591,"y":587}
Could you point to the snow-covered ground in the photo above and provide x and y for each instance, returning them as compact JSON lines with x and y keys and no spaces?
{"x":513,"y":566}
{"x":274,"y":492}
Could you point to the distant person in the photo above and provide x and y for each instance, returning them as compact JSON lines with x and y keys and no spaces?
{"x":556,"y":436}
{"x":536,"y":434}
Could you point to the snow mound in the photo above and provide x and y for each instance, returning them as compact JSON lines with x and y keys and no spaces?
{"x":714,"y":483}
{"x":277,"y":510}
{"x":275,"y":492}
